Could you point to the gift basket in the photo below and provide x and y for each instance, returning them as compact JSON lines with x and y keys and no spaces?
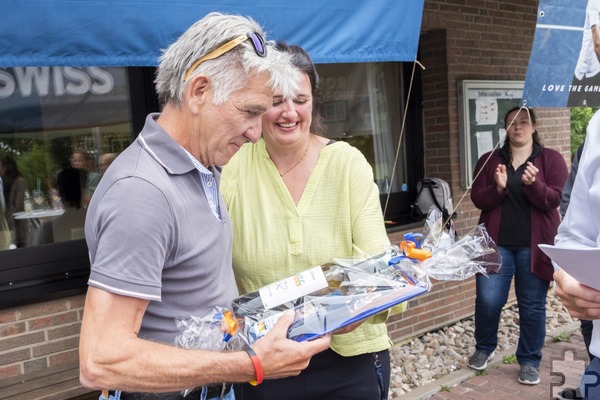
{"x":340,"y":292}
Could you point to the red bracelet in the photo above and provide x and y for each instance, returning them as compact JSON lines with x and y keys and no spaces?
{"x":258,"y":370}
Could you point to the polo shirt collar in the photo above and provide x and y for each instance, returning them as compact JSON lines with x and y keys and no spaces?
{"x":161,"y":146}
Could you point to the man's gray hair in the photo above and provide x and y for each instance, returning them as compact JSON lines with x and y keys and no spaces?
{"x":228,"y":72}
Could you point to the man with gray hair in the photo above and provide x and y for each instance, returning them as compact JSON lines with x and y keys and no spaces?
{"x":158,"y":233}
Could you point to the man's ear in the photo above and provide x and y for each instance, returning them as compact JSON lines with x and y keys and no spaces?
{"x":197,"y":92}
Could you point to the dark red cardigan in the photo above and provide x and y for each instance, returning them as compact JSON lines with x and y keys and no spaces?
{"x":543,"y":195}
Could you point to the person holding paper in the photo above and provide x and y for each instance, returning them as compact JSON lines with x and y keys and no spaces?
{"x":586,"y":324}
{"x":297,"y":199}
{"x":580,"y":229}
{"x":518,"y":189}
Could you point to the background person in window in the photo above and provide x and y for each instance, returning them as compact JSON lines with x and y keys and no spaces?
{"x":15,"y":187}
{"x":5,"y":233}
{"x":70,"y":183}
{"x":159,"y":236}
{"x":81,"y":159}
{"x":297,"y":199}
{"x":104,"y":162}
{"x":518,"y":191}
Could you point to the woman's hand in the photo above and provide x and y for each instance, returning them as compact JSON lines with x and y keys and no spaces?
{"x":500,"y":176}
{"x":529,"y":175}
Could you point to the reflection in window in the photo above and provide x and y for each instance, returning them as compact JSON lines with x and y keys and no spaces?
{"x":362,"y":106}
{"x":60,"y":128}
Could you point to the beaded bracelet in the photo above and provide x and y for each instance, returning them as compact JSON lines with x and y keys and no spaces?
{"x":258,"y":370}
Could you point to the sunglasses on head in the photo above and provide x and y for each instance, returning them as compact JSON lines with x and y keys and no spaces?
{"x":257,"y":42}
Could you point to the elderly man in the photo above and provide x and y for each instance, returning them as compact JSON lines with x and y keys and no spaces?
{"x":159,"y":236}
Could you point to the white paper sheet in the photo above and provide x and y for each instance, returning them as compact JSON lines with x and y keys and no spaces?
{"x":485,"y":142}
{"x":581,"y":264}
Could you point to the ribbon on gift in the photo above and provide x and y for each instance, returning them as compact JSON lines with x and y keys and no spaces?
{"x":411,"y":247}
{"x":228,"y":324}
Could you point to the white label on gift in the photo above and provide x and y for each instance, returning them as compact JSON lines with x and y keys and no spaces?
{"x":293,"y":287}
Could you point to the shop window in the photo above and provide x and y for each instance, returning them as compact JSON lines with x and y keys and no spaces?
{"x":60,"y":127}
{"x":54,"y":119}
{"x":364,"y":105}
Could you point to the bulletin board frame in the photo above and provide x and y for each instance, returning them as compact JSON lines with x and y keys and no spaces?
{"x":482,"y":105}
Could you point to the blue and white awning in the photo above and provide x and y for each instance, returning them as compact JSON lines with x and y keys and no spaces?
{"x":132,"y":32}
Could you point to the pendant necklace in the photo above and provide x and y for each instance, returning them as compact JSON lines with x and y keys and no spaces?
{"x":281,"y":174}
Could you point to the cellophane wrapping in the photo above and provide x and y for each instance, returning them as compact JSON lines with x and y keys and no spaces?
{"x":340,"y":292}
{"x":343,"y":293}
{"x":455,"y":259}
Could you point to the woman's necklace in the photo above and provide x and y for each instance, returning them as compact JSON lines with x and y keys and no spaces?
{"x":518,"y":160}
{"x":281,"y":174}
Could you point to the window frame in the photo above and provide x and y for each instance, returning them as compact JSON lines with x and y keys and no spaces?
{"x":399,"y":203}
{"x":38,"y":273}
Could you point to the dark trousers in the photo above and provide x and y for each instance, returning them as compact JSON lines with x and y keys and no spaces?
{"x":586,"y":332}
{"x":329,"y":376}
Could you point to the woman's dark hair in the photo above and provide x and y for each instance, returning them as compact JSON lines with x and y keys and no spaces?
{"x":71,"y":183}
{"x":536,"y":136}
{"x":302,"y":61}
{"x":11,"y":171}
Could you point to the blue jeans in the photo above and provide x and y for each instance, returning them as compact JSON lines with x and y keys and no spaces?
{"x":229,"y":396}
{"x":196,"y":394}
{"x":492,"y":294}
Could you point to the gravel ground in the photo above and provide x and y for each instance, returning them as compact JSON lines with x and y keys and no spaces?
{"x":436,"y":354}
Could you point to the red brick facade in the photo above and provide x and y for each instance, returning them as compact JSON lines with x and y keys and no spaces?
{"x":461,"y":39}
{"x":39,"y":335}
{"x":479,"y":40}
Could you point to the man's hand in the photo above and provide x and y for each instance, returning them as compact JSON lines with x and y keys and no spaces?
{"x":582,"y":301}
{"x":280,"y":356}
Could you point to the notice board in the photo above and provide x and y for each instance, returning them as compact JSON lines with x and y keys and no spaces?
{"x":482,"y":106}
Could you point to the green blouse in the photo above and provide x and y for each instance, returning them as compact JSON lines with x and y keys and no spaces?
{"x":338,"y":215}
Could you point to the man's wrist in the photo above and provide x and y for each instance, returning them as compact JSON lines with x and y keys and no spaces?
{"x":258,"y":370}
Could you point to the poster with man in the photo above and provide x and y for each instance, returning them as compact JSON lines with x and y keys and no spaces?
{"x":564,"y":66}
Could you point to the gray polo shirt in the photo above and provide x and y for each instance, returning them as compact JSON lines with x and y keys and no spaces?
{"x":151,"y":235}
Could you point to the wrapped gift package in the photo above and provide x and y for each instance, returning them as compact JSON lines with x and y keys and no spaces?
{"x":340,"y":292}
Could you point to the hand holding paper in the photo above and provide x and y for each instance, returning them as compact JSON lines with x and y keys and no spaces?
{"x":581,"y":264}
{"x":577,"y":279}
{"x":582,"y":301}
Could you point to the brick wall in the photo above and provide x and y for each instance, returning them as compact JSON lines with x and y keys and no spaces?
{"x":461,"y":39}
{"x":467,"y":39}
{"x":39,"y":335}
